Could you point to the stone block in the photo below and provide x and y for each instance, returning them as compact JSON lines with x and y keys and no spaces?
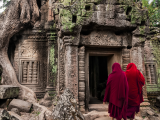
{"x":47,"y":96}
{"x":95,"y":114}
{"x":67,"y":107}
{"x":153,"y":118}
{"x":121,"y":16}
{"x":109,"y":7}
{"x":48,"y":115}
{"x":94,"y":17}
{"x":8,"y":91}
{"x":21,"y":105}
{"x":110,"y":22}
{"x":8,"y":115}
{"x":45,"y":114}
{"x":120,"y":8}
{"x":15,"y":116}
{"x":120,"y":23}
{"x":112,"y":14}
{"x":100,"y":7}
{"x":112,"y":2}
{"x":15,"y":110}
{"x":149,"y":112}
{"x":100,"y":17}
{"x":46,"y":103}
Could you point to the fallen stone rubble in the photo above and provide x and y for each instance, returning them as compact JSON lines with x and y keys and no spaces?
{"x":16,"y":109}
{"x":67,"y":108}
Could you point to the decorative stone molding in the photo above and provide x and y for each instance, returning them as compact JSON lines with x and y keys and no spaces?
{"x":81,"y":80}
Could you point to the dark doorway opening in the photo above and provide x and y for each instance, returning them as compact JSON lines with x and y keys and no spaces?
{"x":98,"y":75}
{"x":11,"y":50}
{"x":39,"y":3}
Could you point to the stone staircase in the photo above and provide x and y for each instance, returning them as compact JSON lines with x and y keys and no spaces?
{"x":100,"y":112}
{"x":97,"y":111}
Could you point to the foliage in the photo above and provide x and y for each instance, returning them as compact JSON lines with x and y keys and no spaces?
{"x":153,"y":11}
{"x":5,"y":3}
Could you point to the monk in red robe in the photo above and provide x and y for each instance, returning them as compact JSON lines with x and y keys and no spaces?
{"x":117,"y":93}
{"x":135,"y":81}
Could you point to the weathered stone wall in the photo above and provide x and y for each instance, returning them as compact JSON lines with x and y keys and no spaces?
{"x":68,"y":28}
{"x":35,"y":54}
{"x":97,"y":24}
{"x":152,"y":57}
{"x":30,"y":60}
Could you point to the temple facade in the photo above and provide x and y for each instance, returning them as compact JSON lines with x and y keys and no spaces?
{"x":75,"y":43}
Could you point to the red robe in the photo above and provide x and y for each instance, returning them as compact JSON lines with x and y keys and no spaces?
{"x":117,"y":92}
{"x":135,"y":81}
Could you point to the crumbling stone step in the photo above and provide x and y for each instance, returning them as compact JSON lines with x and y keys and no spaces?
{"x":8,"y":91}
{"x":95,"y":115}
{"x":98,"y":107}
{"x":103,"y":118}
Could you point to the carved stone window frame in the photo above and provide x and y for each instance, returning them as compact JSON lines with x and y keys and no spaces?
{"x":148,"y":71}
{"x":21,"y":72}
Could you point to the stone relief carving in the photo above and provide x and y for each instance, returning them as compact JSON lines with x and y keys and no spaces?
{"x":151,"y":72}
{"x":30,"y":71}
{"x":30,"y":64}
{"x":106,"y":38}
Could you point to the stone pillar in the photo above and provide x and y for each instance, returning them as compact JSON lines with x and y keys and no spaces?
{"x":137,"y":54}
{"x":71,"y":67}
{"x":81,"y":81}
{"x":126,"y":58}
{"x":51,"y":62}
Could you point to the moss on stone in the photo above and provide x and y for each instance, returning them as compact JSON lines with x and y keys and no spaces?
{"x":70,"y":9}
{"x":142,"y":30}
{"x":136,"y":14}
{"x":155,"y":45}
{"x":52,"y":59}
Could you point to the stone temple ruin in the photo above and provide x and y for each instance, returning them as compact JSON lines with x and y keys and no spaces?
{"x":75,"y":43}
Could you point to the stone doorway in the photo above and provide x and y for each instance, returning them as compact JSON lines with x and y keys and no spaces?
{"x":98,"y":65}
{"x":98,"y":75}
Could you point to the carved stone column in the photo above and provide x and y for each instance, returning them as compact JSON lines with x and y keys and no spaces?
{"x":71,"y":66}
{"x":81,"y":93}
{"x":126,"y":58}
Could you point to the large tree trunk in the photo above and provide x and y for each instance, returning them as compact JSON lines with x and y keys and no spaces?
{"x":19,"y":14}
